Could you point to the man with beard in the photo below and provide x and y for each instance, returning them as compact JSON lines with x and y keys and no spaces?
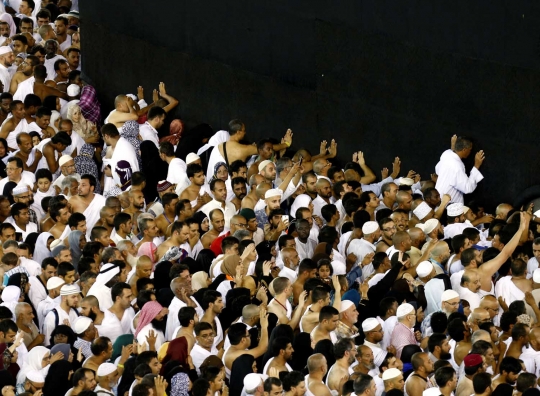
{"x":87,"y":202}
{"x":237,"y":223}
{"x":470,"y":286}
{"x":179,"y":287}
{"x":439,"y":256}
{"x":365,"y":360}
{"x":217,"y":220}
{"x":439,"y":348}
{"x":122,"y":227}
{"x":417,"y":382}
{"x":65,"y":313}
{"x":26,"y":72}
{"x":128,"y":251}
{"x":118,"y":318}
{"x":60,"y":213}
{"x":510,"y":369}
{"x":27,"y":153}
{"x":324,"y":194}
{"x":164,"y":220}
{"x":67,"y":168}
{"x":402,"y":334}
{"x":345,"y":354}
{"x":179,"y":236}
{"x":143,"y":269}
{"x":388,"y":228}
{"x":212,"y":304}
{"x":449,"y":304}
{"x":83,"y":380}
{"x":218,"y":188}
{"x":136,"y":204}
{"x":393,"y":379}
{"x":106,"y":219}
{"x":90,"y":309}
{"x":520,"y":340}
{"x":107,"y":375}
{"x":240,"y":191}
{"x":374,"y":335}
{"x":7,"y":57}
{"x":276,"y":225}
{"x":282,"y":351}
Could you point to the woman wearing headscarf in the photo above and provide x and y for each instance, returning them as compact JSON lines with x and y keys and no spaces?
{"x":77,"y":241}
{"x":177,"y":351}
{"x":42,"y":251}
{"x":8,"y":191}
{"x":81,"y":126}
{"x":38,"y":359}
{"x":21,"y":281}
{"x":130,"y":132}
{"x":205,"y":259}
{"x":63,"y":340}
{"x":3,"y":154}
{"x":148,"y":249}
{"x":226,"y":280}
{"x":121,"y":341}
{"x":175,"y":132}
{"x":11,"y":296}
{"x":58,"y":379}
{"x":193,"y":140}
{"x":199,"y":280}
{"x":154,"y":169}
{"x":151,"y":318}
{"x":52,"y":102}
{"x":180,"y":385}
{"x":85,"y":164}
{"x":161,"y":275}
{"x":8,"y":367}
{"x":245,"y":364}
{"x":221,"y":172}
{"x":209,"y":156}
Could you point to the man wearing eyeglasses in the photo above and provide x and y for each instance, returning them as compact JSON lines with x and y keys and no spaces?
{"x":16,"y":174}
{"x":23,"y":194}
{"x":67,"y":168}
{"x":449,"y":305}
{"x":204,"y":347}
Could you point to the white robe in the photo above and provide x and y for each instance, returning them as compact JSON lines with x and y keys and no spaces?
{"x":452,"y":178}
{"x":92,"y":213}
{"x":24,"y":88}
{"x":124,"y":151}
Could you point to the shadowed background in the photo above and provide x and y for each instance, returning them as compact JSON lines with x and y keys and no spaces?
{"x":386,"y":77}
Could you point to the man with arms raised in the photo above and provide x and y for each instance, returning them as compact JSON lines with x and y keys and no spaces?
{"x":87,"y":202}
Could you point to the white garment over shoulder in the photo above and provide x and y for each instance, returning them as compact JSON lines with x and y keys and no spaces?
{"x":172,"y":318}
{"x":452,"y":179}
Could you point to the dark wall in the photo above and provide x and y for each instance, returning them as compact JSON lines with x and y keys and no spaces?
{"x":386,"y":77}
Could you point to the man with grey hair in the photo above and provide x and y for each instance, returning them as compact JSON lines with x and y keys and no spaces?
{"x":148,"y":229}
{"x":178,"y":286}
{"x":25,"y":321}
{"x":128,"y":251}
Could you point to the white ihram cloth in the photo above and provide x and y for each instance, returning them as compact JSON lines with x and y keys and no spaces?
{"x":92,"y":213}
{"x":452,"y":179}
{"x":24,"y":88}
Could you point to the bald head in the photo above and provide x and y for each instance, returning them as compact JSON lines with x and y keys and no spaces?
{"x":490,"y":304}
{"x":439,"y":249}
{"x":91,"y":300}
{"x":480,"y":315}
{"x":315,"y":362}
{"x":480,"y":335}
{"x":471,"y":280}
{"x":321,"y":183}
{"x":255,"y":180}
{"x":262,"y":188}
{"x":502,"y":211}
{"x":403,"y":196}
{"x":319,"y":165}
{"x":417,"y":235}
{"x":119,"y":100}
{"x":351,"y":174}
{"x":401,"y":238}
{"x":250,"y":311}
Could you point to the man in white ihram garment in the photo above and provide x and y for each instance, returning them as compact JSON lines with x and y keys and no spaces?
{"x":452,"y":178}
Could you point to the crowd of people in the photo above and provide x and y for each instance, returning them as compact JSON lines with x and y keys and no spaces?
{"x":192,"y":262}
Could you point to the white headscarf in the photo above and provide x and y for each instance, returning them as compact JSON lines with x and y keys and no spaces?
{"x":218,"y":138}
{"x":10,"y":298}
{"x":8,"y":18}
{"x":33,"y":362}
{"x":301,"y":201}
{"x":41,"y":252}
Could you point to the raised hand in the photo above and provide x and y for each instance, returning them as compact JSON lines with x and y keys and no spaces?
{"x":332,"y":151}
{"x":263,"y":318}
{"x":288,"y":137}
{"x":155,"y":95}
{"x":162,"y":90}
{"x":384,"y":173}
{"x":302,"y":299}
{"x":140,"y":92}
{"x":335,"y":282}
{"x":151,"y":338}
{"x":322,"y":148}
{"x":479,"y":159}
{"x":453,"y":142}
{"x":361,"y":160}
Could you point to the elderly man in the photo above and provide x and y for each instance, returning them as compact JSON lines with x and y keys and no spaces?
{"x":452,"y":178}
{"x":25,"y":322}
{"x":374,"y":335}
{"x":67,"y":168}
{"x":449,"y":305}
{"x":348,"y":316}
{"x":365,"y":246}
{"x":470,"y":286}
{"x":403,"y":333}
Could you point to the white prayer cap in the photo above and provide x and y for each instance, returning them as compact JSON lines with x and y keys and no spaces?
{"x":466,"y":209}
{"x":424,"y":269}
{"x":273,"y":192}
{"x":35,"y":376}
{"x":537,"y":213}
{"x":68,"y":290}
{"x":5,"y":49}
{"x":369,"y":324}
{"x":449,"y":295}
{"x":132,"y":96}
{"x":82,"y":323}
{"x":432,"y":392}
{"x":105,"y":369}
{"x":345,"y":305}
{"x":191,"y":157}
{"x":55,"y":243}
{"x":63,"y":159}
{"x":536,"y":275}
{"x":20,"y":189}
{"x":430,"y":225}
{"x":73,"y":90}
{"x":54,"y":282}
{"x":264,"y":164}
{"x":391,"y":373}
{"x":404,"y":309}
{"x":252,"y":382}
{"x":422,"y":210}
{"x":455,"y":209}
{"x":406,"y":181}
{"x":370,"y":227}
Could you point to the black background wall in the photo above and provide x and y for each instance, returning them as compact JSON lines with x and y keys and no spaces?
{"x":389,"y":78}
